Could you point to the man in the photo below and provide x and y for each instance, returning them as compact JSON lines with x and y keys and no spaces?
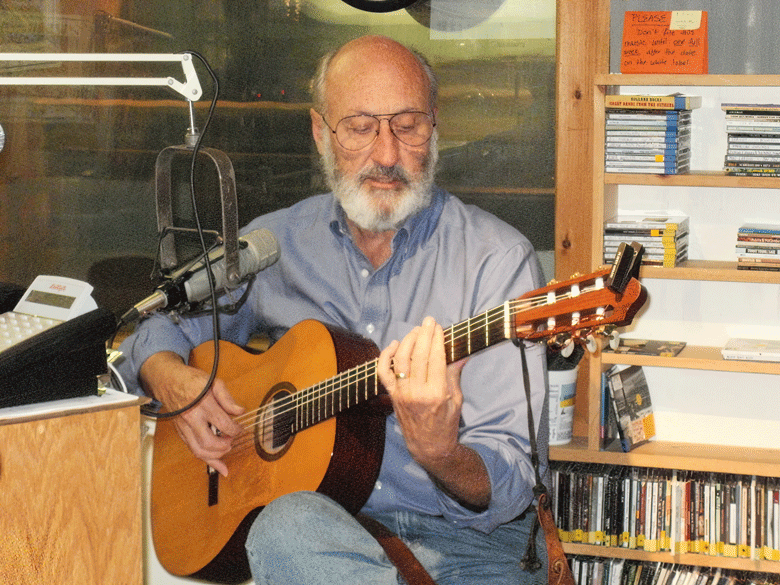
{"x":391,"y":257}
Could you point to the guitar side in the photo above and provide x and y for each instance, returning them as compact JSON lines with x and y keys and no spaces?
{"x":200,"y":519}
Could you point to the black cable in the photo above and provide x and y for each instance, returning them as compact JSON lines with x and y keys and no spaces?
{"x":212,"y":289}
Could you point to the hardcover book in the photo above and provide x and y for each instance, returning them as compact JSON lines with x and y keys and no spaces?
{"x":659,"y":223}
{"x":675,"y":101}
{"x":762,"y":350}
{"x":650,"y":347}
{"x":633,"y":407}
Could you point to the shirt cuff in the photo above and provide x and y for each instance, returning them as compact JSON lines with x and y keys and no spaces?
{"x":512,"y":492}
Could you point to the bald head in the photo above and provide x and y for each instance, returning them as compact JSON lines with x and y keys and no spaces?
{"x":372,"y":60}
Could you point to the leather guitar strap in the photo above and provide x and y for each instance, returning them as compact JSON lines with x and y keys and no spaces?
{"x":397,"y":551}
{"x":558,"y":572}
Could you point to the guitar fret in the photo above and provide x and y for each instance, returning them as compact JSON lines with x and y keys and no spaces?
{"x":298,"y":415}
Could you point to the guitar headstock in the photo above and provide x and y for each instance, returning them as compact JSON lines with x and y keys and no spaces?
{"x":584,"y":306}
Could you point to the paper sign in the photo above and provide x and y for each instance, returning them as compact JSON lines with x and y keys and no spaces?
{"x":664,"y":42}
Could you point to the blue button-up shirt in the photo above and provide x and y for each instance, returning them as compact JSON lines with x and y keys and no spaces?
{"x":450,"y":261}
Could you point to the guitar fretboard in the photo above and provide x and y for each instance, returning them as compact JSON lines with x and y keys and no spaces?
{"x":360,"y":384}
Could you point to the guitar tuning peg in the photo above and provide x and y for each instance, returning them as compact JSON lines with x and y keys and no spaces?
{"x":614,"y":339}
{"x":558,"y":341}
{"x":568,"y":348}
{"x":590,"y":343}
{"x":553,"y":282}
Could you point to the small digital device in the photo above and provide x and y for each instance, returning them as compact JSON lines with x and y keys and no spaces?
{"x":53,"y":341}
{"x":56,"y":297}
{"x":48,"y":301}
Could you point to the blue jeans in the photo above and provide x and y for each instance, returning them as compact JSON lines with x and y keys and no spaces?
{"x":306,"y":538}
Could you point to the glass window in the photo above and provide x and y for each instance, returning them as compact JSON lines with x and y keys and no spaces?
{"x":77,"y":190}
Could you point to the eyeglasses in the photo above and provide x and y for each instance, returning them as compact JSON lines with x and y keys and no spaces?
{"x":357,"y":132}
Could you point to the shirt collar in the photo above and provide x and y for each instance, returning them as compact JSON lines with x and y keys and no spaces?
{"x":414,"y":232}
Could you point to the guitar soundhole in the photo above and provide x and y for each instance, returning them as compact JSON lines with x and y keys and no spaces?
{"x":275,"y":422}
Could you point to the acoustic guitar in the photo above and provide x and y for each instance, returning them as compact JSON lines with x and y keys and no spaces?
{"x":315,"y":418}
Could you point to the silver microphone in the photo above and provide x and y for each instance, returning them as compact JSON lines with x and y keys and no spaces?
{"x":257,"y":251}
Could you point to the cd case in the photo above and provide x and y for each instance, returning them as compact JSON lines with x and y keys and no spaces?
{"x":761,"y":350}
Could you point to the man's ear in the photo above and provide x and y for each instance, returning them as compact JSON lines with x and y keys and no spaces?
{"x":317,"y":129}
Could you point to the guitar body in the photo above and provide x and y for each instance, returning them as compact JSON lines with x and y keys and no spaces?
{"x":200,"y":519}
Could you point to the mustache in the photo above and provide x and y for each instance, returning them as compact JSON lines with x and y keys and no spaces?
{"x":391,"y":173}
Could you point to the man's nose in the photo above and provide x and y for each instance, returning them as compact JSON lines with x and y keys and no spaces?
{"x":386,"y":146}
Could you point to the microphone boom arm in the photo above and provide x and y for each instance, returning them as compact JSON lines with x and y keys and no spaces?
{"x":190,"y":88}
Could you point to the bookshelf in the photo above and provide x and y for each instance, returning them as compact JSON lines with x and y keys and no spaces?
{"x":586,"y":195}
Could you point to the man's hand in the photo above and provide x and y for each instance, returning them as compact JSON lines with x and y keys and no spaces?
{"x":208,"y":428}
{"x":427,"y":401}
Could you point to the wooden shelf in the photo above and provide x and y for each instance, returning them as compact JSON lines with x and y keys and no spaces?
{"x":700,"y":560}
{"x":711,"y":270}
{"x":693,"y":179}
{"x":671,"y":455}
{"x":688,"y":80}
{"x":693,"y":357}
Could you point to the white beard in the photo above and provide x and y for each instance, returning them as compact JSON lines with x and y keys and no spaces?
{"x":377,"y":211}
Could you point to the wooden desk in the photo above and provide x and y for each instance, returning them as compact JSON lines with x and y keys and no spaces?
{"x":70,"y":495}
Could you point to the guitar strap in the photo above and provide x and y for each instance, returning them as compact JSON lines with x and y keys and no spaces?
{"x":558,"y":571}
{"x":397,"y":551}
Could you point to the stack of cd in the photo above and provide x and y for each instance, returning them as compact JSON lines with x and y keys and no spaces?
{"x":654,"y":139}
{"x":753,"y":140}
{"x":758,"y":247}
{"x":664,"y":237}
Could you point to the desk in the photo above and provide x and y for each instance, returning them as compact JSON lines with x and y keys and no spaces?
{"x":70,"y":492}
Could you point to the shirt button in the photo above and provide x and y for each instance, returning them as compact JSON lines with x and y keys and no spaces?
{"x":378,"y":485}
{"x":364,"y":273}
{"x":370,"y":328}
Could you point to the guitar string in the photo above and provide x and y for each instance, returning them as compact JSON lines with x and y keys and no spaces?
{"x":453,"y":335}
{"x":314,"y":393}
{"x":454,"y":330}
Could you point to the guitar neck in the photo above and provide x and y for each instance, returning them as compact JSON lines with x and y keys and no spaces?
{"x":567,"y":307}
{"x":361,"y":384}
{"x":478,"y":333}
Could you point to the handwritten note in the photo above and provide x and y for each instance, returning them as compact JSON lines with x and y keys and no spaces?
{"x":664,"y":42}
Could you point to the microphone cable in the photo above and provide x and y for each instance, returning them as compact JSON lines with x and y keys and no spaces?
{"x":147,"y":411}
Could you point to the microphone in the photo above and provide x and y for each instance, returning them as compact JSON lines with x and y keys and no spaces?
{"x":257,"y":251}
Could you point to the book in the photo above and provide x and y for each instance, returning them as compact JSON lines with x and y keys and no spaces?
{"x":665,"y":170}
{"x":758,"y":251}
{"x":646,"y":123}
{"x":762,"y":350}
{"x":759,"y":228}
{"x":671,"y":241}
{"x":653,"y":221}
{"x":628,"y":148}
{"x":664,"y":42}
{"x":641,"y":157}
{"x":752,"y":239}
{"x":743,"y":108}
{"x":665,"y":260}
{"x":675,"y":254}
{"x":660,"y":134}
{"x":675,"y":101}
{"x":747,"y":172}
{"x":656,"y":347}
{"x":628,"y":114}
{"x":633,"y":407}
